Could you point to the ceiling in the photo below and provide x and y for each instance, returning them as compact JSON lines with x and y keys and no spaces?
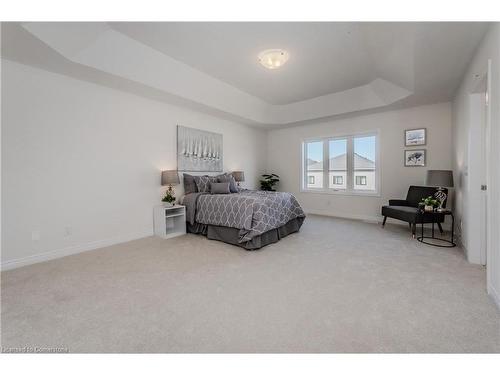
{"x":326,"y":57}
{"x":334,"y":68}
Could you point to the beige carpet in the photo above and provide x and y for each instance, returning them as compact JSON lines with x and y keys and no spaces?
{"x":337,"y":286}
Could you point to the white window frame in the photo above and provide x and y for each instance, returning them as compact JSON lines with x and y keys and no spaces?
{"x":350,"y":181}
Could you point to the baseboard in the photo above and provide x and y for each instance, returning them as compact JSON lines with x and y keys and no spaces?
{"x":54,"y":254}
{"x":495,"y":295}
{"x":377,"y":219}
{"x":368,"y":218}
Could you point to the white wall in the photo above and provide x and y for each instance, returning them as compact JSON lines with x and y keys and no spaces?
{"x":463,"y":129}
{"x":284,"y":157}
{"x":81,"y":163}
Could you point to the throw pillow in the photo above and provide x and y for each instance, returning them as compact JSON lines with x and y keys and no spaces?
{"x":203,"y":183}
{"x":219,"y":188}
{"x":232,"y":183}
{"x":189,"y":184}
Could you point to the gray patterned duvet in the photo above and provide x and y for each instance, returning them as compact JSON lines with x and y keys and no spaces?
{"x":252,"y":212}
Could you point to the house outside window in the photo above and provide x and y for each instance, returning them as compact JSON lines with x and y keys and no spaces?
{"x":338,"y":180}
{"x":360,"y":180}
{"x":339,"y":165}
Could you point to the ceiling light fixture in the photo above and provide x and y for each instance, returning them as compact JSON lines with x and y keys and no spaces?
{"x":273,"y":58}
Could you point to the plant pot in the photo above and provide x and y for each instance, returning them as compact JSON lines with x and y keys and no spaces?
{"x":168,"y":204}
{"x":428,"y":208}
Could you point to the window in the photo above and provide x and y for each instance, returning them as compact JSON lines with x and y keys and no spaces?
{"x":338,"y":180}
{"x":341,"y":164}
{"x":364,"y":162}
{"x":314,"y":165}
{"x":360,"y":180}
{"x":337,"y":163}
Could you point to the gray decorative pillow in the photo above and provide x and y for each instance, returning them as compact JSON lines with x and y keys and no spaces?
{"x":232,"y":183}
{"x":189,"y":184}
{"x":219,"y":188}
{"x":203,"y":183}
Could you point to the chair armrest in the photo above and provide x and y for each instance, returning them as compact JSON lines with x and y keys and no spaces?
{"x":398,"y":202}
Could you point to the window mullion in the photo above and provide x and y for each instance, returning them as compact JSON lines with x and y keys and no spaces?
{"x":305,"y":165}
{"x":350,"y":164}
{"x":326,"y":163}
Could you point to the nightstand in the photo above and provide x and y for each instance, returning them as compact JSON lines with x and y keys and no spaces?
{"x":170,"y":221}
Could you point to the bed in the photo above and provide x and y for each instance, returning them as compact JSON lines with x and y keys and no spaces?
{"x":250,"y":219}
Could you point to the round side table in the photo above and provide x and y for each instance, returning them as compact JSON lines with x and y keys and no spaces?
{"x":433,"y":215}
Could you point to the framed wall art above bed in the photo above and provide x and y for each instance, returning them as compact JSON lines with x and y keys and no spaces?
{"x":198,"y":150}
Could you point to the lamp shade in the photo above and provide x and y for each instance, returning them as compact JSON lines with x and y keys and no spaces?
{"x":239,"y":176}
{"x":169,"y":178}
{"x":439,"y":178}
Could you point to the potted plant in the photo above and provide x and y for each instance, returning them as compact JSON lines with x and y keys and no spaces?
{"x":430,"y":203}
{"x":269,"y":181}
{"x":169,"y":198}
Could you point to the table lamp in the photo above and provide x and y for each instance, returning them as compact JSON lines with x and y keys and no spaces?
{"x":239,"y":176}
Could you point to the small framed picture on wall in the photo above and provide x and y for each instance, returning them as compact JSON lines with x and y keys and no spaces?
{"x":415,"y":137}
{"x":415,"y":158}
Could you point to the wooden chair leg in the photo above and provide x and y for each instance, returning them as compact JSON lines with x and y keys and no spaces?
{"x":383,"y":222}
{"x":414,"y":230}
{"x":440,"y":228}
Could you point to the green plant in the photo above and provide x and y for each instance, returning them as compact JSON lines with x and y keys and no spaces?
{"x":430,"y":201}
{"x":169,"y":195}
{"x":269,"y":181}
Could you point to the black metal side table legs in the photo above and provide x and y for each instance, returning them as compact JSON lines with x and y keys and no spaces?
{"x":436,"y":241}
